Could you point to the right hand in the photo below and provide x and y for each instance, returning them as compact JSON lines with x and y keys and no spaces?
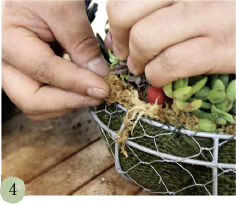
{"x":173,"y":39}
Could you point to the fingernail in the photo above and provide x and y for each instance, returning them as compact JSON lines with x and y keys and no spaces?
{"x":93,"y":102}
{"x":99,"y":66}
{"x":130,"y":64}
{"x":133,"y":68}
{"x":97,"y":93}
{"x":107,"y":41}
{"x":115,"y":50}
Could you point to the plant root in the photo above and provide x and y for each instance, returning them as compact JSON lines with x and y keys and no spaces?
{"x":124,"y":93}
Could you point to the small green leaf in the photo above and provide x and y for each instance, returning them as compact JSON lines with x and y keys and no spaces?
{"x":112,"y":58}
{"x":123,"y":77}
{"x":105,"y":27}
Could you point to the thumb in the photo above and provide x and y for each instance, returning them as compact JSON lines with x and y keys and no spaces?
{"x":69,"y":23}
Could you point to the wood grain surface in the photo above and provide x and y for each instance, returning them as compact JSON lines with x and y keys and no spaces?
{"x":62,"y":156}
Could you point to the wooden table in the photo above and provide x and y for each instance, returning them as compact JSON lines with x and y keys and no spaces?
{"x":62,"y":156}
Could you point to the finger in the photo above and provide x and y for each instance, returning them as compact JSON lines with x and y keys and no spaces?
{"x":46,"y":116}
{"x":34,"y":58}
{"x":49,"y":115}
{"x":123,"y":15}
{"x":69,"y":23}
{"x":34,"y":99}
{"x":108,"y":42}
{"x":68,"y":100}
{"x":181,"y":60}
{"x":162,"y":29}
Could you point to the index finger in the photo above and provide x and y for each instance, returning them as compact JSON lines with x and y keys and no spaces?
{"x":35,"y":58}
{"x":123,"y":15}
{"x":70,"y":25}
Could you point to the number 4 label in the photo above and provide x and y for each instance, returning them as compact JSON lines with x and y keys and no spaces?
{"x":12,"y":189}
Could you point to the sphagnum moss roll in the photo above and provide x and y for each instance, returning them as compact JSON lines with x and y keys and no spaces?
{"x":165,"y":157}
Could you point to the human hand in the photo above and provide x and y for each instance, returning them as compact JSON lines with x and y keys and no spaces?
{"x":173,"y":39}
{"x":42,"y":84}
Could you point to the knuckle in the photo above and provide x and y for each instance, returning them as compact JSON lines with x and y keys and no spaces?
{"x":41,"y":72}
{"x":138,"y":42}
{"x":117,"y":18}
{"x":70,"y":106}
{"x":163,"y":65}
{"x":81,"y":41}
{"x":84,"y":45}
{"x":151,"y":76}
{"x":110,"y":7}
{"x":139,"y":47}
{"x":75,"y":86}
{"x":28,"y":107}
{"x":27,"y":110}
{"x":169,"y":60}
{"x":137,"y":36}
{"x":73,"y":105}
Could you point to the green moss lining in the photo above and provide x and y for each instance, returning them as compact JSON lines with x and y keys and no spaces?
{"x":174,"y":176}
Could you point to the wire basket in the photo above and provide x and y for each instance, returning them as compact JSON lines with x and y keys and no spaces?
{"x":167,"y":160}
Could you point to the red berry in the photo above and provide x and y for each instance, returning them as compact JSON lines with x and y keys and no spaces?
{"x":157,"y":93}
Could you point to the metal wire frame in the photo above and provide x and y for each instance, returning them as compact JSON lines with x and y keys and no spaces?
{"x":214,"y":164}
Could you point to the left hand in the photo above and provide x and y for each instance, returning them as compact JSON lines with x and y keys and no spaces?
{"x":39,"y":82}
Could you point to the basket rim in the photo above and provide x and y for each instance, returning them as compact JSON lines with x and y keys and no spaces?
{"x":170,"y":158}
{"x":184,"y":131}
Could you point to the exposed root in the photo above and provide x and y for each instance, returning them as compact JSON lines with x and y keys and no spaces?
{"x":123,"y":150}
{"x":125,"y":94}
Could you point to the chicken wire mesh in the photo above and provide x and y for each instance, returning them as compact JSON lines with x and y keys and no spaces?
{"x":167,"y":160}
